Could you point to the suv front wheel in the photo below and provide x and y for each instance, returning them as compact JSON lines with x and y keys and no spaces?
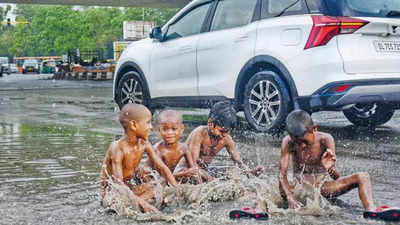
{"x":266,"y":102}
{"x":369,"y":115}
{"x":131,"y":89}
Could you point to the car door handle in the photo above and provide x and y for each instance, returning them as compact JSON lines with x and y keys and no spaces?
{"x":187,"y":48}
{"x":242,"y":38}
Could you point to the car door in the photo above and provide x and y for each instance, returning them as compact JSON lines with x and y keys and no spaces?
{"x":223,"y":51}
{"x":173,"y":60}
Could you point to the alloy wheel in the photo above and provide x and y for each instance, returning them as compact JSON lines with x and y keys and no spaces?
{"x":265,"y":102}
{"x":365,"y":110}
{"x":132,"y":92}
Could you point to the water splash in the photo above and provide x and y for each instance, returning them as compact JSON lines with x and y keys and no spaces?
{"x":195,"y":201}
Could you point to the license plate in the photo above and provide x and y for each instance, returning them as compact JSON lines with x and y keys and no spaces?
{"x":387,"y":46}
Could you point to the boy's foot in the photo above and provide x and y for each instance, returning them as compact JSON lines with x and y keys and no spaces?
{"x":384,"y":213}
{"x":248,"y":213}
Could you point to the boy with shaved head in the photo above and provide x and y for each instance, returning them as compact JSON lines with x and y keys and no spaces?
{"x":123,"y":157}
{"x":170,"y":150}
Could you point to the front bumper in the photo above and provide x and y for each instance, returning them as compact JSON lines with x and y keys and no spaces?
{"x":359,"y":91}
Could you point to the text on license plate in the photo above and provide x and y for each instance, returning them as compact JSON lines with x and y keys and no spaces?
{"x":387,"y":46}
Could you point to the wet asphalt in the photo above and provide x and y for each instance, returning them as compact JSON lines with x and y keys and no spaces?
{"x":54,"y":135}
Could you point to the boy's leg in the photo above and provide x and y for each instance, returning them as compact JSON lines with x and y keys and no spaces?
{"x":146,"y":207}
{"x":343,"y":185}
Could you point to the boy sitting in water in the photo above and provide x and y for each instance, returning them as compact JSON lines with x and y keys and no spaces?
{"x":313,"y":156}
{"x":123,"y":156}
{"x":170,"y":150}
{"x":205,"y":142}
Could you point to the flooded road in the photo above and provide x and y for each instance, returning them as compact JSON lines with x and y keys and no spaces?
{"x":52,"y":143}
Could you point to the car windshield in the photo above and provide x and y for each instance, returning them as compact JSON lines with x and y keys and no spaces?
{"x":30,"y":62}
{"x":365,"y":8}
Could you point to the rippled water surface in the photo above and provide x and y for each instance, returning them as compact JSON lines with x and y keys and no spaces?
{"x":48,"y":175}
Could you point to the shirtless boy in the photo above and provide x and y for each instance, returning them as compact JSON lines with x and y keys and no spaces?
{"x":205,"y":142}
{"x":170,"y":150}
{"x":313,"y":156}
{"x":123,"y":156}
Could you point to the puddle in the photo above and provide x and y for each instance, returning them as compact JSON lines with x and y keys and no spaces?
{"x":49,"y":175}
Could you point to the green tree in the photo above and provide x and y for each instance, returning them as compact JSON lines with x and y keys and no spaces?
{"x":53,"y":30}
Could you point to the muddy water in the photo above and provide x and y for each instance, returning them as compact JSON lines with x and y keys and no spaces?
{"x":52,"y":143}
{"x":48,"y":175}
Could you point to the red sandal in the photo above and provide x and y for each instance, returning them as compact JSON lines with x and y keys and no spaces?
{"x":248,"y":212}
{"x":385,"y":213}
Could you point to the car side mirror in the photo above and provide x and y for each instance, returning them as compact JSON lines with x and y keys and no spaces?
{"x":156,"y":33}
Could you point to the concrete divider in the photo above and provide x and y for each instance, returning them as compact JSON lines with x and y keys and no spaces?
{"x":84,"y":76}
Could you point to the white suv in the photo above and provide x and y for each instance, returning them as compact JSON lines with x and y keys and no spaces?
{"x":269,"y":57}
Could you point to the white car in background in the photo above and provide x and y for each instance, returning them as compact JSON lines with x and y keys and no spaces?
{"x":269,"y":57}
{"x":13,"y":68}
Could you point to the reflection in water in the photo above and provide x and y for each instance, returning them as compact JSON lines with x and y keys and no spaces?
{"x":49,"y":175}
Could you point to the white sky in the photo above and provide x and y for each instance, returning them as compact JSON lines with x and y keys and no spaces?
{"x":10,"y":14}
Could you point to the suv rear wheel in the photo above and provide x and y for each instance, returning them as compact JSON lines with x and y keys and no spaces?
{"x":266,"y":102}
{"x":369,"y":115}
{"x":130,"y":89}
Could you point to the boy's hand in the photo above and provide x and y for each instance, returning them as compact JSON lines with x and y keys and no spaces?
{"x":294,"y":204}
{"x":257,"y":171}
{"x":192,"y":172}
{"x":328,"y":159}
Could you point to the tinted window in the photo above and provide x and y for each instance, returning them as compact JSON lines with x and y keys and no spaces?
{"x":276,"y":6}
{"x":373,"y":8}
{"x":317,"y":6}
{"x":233,"y":13}
{"x":189,"y":24}
{"x":377,"y":7}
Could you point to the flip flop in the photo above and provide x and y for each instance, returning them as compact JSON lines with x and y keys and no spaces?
{"x":248,"y":213}
{"x":385,"y":213}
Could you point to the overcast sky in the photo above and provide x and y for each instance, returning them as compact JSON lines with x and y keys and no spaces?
{"x":10,"y":14}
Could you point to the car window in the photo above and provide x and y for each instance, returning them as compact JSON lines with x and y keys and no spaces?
{"x":189,"y":24}
{"x":375,"y":8}
{"x":233,"y":13}
{"x":285,"y":7}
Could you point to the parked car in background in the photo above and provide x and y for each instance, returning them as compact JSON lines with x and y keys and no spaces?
{"x":48,"y":66}
{"x":6,"y":68}
{"x":30,"y":65}
{"x":269,"y":57}
{"x":3,"y":65}
{"x":13,"y":68}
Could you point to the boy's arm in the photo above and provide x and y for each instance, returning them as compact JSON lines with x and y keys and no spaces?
{"x":188,"y":157}
{"x":330,"y":157}
{"x":149,"y":162}
{"x":283,"y":169}
{"x":116,"y":164}
{"x":159,"y":164}
{"x":191,"y":164}
{"x":194,"y":147}
{"x":230,"y":147}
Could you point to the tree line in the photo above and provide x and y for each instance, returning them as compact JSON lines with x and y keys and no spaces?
{"x":52,"y":30}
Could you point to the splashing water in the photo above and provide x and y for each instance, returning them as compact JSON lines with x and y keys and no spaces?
{"x":194,"y":202}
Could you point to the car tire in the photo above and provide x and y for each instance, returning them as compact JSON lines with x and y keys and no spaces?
{"x":266,"y":102}
{"x":369,"y":115}
{"x":131,"y":89}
